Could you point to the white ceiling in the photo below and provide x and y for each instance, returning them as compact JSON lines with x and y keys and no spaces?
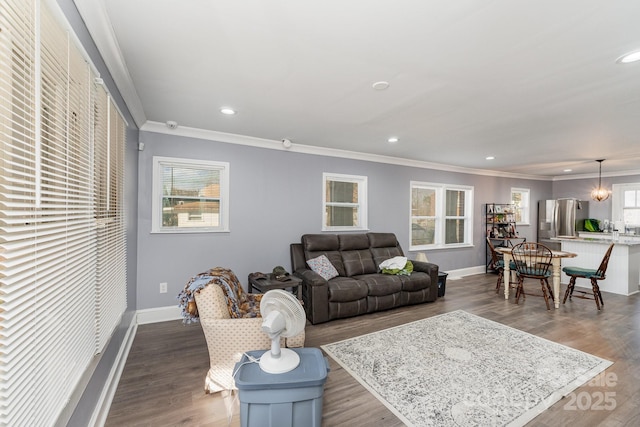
{"x":533,"y":83}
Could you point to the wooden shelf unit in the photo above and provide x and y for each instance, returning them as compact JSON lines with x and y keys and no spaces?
{"x":500,"y":227}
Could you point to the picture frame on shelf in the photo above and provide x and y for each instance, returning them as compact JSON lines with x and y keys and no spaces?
{"x":497,"y":209}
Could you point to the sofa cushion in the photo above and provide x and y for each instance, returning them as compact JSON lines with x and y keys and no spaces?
{"x":381,"y":284}
{"x":328,"y":245}
{"x":323,"y":267}
{"x":358,"y":262}
{"x":350,"y":242}
{"x":382,"y":240}
{"x":382,"y":254}
{"x":342,"y":289}
{"x":415,"y":282}
{"x":320,"y":242}
{"x":340,"y":310}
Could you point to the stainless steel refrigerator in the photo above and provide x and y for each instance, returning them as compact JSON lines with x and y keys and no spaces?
{"x":560,"y":218}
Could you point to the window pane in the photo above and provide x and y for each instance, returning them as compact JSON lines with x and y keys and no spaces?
{"x":191,"y":196}
{"x":455,"y":203}
{"x":520,"y":202}
{"x":631,"y":199}
{"x":632,"y":217}
{"x":178,"y":212}
{"x":342,"y":216}
{"x":454,"y":231}
{"x":342,"y":192}
{"x":423,"y":231}
{"x":190,"y":182}
{"x":423,"y":202}
{"x":518,"y":215}
{"x":516,"y":201}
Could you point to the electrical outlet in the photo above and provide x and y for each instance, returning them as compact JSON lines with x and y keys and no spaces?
{"x":163,"y":287}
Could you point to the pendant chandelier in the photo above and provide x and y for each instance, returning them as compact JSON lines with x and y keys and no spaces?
{"x":599,"y":194}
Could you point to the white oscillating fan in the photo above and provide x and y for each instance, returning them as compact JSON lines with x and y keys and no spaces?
{"x":283,"y":317}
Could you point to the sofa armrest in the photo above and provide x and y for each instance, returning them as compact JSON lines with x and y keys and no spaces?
{"x":429,"y":268}
{"x":315,"y":295}
{"x":425,"y":267}
{"x":311,"y":278}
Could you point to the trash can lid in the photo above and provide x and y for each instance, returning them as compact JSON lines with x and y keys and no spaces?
{"x":312,"y":371}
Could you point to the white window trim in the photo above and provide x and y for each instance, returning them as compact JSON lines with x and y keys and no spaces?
{"x":440,"y":222}
{"x":156,"y":204}
{"x":526,"y":211}
{"x":362,"y":201}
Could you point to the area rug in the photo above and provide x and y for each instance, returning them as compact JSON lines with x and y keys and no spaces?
{"x":458,"y":369}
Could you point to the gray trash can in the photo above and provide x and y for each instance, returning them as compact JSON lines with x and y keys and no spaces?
{"x":442,"y":283}
{"x":292,"y":399}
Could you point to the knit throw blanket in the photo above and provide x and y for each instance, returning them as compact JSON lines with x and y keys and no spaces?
{"x":239,"y":303}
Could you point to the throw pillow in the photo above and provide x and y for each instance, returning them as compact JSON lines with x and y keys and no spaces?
{"x":323,"y":267}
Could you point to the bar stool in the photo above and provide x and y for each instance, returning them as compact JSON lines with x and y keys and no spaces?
{"x":593,"y":275}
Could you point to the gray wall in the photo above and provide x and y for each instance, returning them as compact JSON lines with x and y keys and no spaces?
{"x":276,"y":197}
{"x":80,"y":411}
{"x":581,"y":189}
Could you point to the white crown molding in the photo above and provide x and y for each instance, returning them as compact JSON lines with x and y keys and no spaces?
{"x":230,"y":138}
{"x":595,"y":175}
{"x":94,"y":14}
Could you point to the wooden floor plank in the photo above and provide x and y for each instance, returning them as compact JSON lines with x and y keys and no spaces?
{"x":163,"y":380}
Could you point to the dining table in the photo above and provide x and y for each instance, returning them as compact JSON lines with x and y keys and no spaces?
{"x":556,"y":257}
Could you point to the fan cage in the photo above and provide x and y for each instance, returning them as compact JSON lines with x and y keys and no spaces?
{"x":288,"y":306}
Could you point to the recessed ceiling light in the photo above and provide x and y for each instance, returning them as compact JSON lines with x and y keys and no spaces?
{"x":629,"y":57}
{"x":490,"y":158}
{"x":567,"y":170}
{"x":228,"y":111}
{"x":380,"y":85}
{"x":393,"y":139}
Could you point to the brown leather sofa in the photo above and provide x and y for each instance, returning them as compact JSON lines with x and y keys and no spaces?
{"x":359,"y":288}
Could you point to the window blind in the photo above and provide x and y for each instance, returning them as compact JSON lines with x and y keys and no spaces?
{"x":62,"y":246}
{"x":17,"y":198}
{"x":111,"y":243}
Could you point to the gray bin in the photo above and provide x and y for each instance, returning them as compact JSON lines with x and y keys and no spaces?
{"x":292,"y":399}
{"x":442,"y":283}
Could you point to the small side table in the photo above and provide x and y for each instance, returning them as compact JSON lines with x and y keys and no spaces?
{"x":264,"y":285}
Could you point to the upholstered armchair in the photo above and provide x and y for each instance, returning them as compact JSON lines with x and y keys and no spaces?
{"x":229,"y":337}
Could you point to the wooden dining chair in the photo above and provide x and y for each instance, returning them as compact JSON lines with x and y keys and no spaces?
{"x":497,"y":263}
{"x":533,"y":260}
{"x":593,"y":275}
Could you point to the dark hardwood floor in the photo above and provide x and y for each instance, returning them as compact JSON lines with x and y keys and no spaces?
{"x":163,"y":380}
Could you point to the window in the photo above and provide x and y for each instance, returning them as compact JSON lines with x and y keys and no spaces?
{"x":344,"y":202}
{"x":190,"y":196}
{"x":520,"y":201}
{"x":626,"y":204}
{"x":441,"y":215}
{"x":63,"y":241}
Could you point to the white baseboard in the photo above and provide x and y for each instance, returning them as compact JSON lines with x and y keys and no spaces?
{"x":103,"y":405}
{"x":462,"y":272}
{"x":158,"y":314}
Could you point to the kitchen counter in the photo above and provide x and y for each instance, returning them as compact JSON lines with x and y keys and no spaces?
{"x":622,"y":237}
{"x":623,"y":272}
